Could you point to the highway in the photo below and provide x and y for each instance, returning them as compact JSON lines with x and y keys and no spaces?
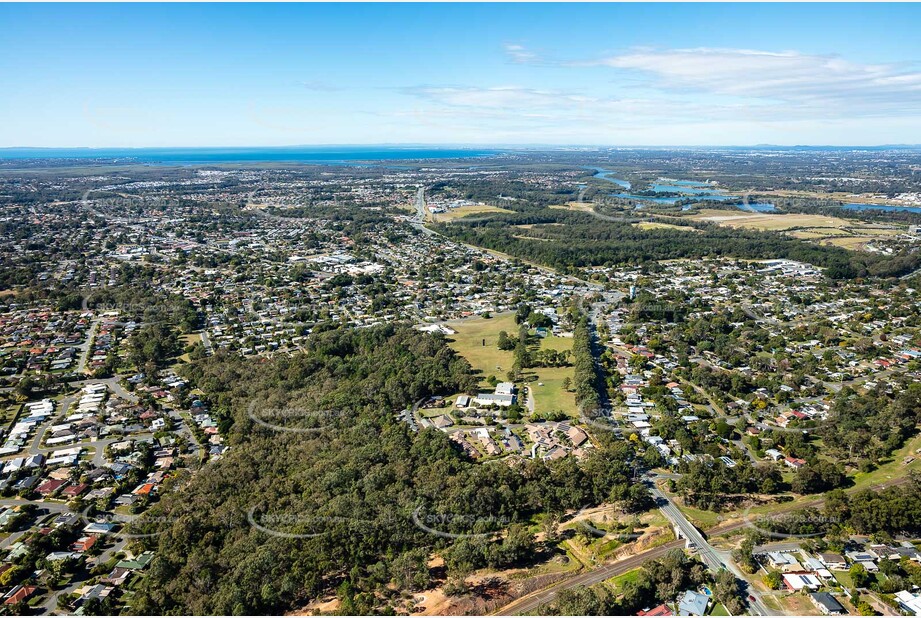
{"x":420,"y":204}
{"x":419,"y":221}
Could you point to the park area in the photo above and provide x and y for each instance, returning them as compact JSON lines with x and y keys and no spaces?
{"x":476,"y":340}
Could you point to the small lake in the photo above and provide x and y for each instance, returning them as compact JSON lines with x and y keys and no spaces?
{"x":915,"y":209}
{"x":684,"y":183}
{"x":679,"y":188}
{"x":688,"y":189}
{"x":657,"y":200}
{"x":672,"y":200}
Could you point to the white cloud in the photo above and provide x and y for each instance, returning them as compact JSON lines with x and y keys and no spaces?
{"x":672,"y":96}
{"x":320,"y":86}
{"x":520,"y":54}
{"x":557,"y":105}
{"x":499,"y":97}
{"x":811,"y":82}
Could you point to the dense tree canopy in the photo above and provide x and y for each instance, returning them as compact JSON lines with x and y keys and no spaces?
{"x":337,"y":504}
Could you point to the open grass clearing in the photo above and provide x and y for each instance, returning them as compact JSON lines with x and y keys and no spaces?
{"x":548,"y":392}
{"x":619,"y":581}
{"x":582,"y":206}
{"x":819,"y":233}
{"x":463,"y":211}
{"x":656,"y":225}
{"x":775,"y":222}
{"x":476,"y":340}
{"x":523,"y":237}
{"x":531,"y":226}
{"x":546,"y":383}
{"x":187,"y":340}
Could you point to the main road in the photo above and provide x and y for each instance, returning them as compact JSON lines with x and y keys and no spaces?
{"x":713,"y":559}
{"x":418,"y":221}
{"x":420,"y":204}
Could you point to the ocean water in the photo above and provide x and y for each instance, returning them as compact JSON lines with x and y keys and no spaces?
{"x":293,"y":154}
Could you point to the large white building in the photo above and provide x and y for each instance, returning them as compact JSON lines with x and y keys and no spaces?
{"x":503,"y":396}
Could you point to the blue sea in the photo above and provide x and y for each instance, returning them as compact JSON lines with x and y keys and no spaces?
{"x":288,"y":154}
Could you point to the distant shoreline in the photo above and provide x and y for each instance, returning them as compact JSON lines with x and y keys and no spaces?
{"x":304,"y":154}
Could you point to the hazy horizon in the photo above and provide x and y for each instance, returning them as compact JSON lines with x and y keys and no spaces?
{"x":462,"y":146}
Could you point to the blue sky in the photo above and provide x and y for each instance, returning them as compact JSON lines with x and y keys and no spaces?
{"x":613,"y":74}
